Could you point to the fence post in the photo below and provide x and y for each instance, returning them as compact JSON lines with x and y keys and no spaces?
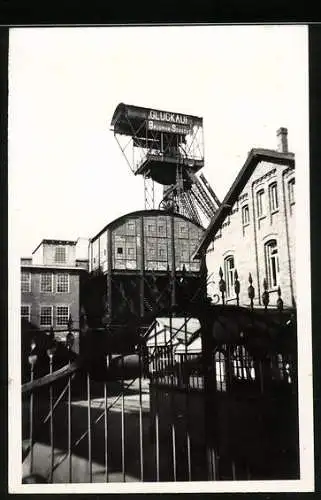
{"x":69,"y":343}
{"x":279,"y":302}
{"x":251,"y":291}
{"x":222,"y":285}
{"x":51,"y":352}
{"x":265,"y":294}
{"x":32,"y":360}
{"x":237,"y":287}
{"x":209,"y":391}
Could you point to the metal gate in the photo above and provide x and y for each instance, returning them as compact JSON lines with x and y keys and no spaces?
{"x":167,"y":411}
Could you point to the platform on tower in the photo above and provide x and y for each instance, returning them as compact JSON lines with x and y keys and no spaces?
{"x":162,"y":168}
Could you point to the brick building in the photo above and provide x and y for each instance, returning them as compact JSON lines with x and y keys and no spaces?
{"x":254,"y":229}
{"x":50,"y":283}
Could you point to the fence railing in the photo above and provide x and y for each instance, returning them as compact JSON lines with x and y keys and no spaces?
{"x":223,"y":298}
{"x":143,"y":418}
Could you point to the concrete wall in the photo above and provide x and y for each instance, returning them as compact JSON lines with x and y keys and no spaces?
{"x":246,"y":243}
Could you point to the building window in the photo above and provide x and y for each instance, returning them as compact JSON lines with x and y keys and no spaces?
{"x":151,"y":229}
{"x":60,"y":254}
{"x":46,"y":283}
{"x":46,"y":316}
{"x":25,"y":281}
{"x":131,"y":227}
{"x":161,"y":230}
{"x":184,"y":254}
{"x":245,"y":215}
{"x":243,"y":365}
{"x":131,"y":252}
{"x":220,"y":371}
{"x":291,"y":185}
{"x":272,"y":263}
{"x":62,"y":283}
{"x":273,"y":197}
{"x":119,"y":250}
{"x":151,"y":252}
{"x":229,"y":274}
{"x":162,"y":253}
{"x":260,"y":202}
{"x":25,"y":312}
{"x":62,"y":315}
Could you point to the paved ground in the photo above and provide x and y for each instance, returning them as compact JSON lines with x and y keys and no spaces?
{"x":80,"y":464}
{"x":119,"y":470}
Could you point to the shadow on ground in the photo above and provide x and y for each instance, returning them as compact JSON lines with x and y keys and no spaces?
{"x":124,"y":460}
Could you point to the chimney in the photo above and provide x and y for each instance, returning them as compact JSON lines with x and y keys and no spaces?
{"x":282,"y":136}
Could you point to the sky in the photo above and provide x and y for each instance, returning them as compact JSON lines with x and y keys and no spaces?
{"x":67,"y":175}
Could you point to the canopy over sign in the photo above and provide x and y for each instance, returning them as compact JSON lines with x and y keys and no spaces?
{"x":137,"y":121}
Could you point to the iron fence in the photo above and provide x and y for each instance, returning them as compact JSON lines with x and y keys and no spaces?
{"x":167,"y":411}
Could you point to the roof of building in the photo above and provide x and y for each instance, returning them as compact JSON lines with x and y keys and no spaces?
{"x":52,"y":267}
{"x":180,"y":327}
{"x":139,"y":213}
{"x":254,"y":157}
{"x":55,"y":242}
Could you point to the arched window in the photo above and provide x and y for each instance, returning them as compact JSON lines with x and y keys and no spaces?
{"x":229,"y":268}
{"x":273,"y":197}
{"x":291,"y":185}
{"x":260,"y":203}
{"x":272,"y":263}
{"x":245,"y":215}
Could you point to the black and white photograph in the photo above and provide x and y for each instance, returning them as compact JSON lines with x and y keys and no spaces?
{"x":159,"y":233}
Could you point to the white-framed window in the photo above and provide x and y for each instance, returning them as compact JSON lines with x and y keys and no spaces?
{"x":245,"y":215}
{"x":229,"y":268}
{"x":272,"y":263}
{"x":131,"y":253}
{"x":46,"y":281}
{"x":60,"y":254}
{"x":25,"y":281}
{"x":62,"y":283}
{"x":45,"y":315}
{"x":25,"y":312}
{"x":291,"y":191}
{"x":62,"y":315}
{"x":260,"y":202}
{"x":273,"y":197}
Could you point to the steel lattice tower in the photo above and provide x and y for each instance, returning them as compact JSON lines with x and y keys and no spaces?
{"x":166,"y":148}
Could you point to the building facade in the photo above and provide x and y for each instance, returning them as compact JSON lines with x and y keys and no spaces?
{"x":253,"y":231}
{"x":136,"y":262}
{"x":50,"y":284}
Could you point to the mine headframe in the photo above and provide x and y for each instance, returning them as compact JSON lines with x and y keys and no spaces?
{"x":166,"y":148}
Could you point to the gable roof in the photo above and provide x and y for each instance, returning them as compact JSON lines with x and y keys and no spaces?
{"x":254,"y":157}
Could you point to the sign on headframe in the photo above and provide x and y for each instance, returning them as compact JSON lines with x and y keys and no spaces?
{"x":168,"y":127}
{"x":174,"y":123}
